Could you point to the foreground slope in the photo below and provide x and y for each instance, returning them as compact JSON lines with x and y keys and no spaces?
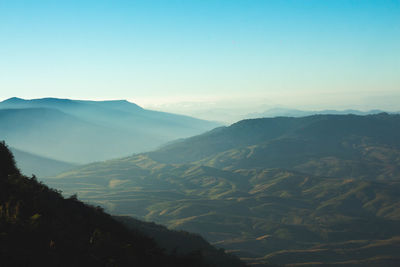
{"x":85,"y":131}
{"x":321,"y":189}
{"x":39,"y":227}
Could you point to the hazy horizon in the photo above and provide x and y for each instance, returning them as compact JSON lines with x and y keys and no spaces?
{"x":199,"y":56}
{"x":267,"y":168}
{"x":231,"y":110}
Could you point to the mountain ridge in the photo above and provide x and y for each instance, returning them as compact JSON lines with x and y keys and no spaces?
{"x":59,"y":128}
{"x":262,"y":188}
{"x":290,"y":112}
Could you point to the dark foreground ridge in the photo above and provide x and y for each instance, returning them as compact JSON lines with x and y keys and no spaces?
{"x":38,"y":227}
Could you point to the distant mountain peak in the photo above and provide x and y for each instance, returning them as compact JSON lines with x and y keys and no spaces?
{"x":13,"y":100}
{"x":17,"y":100}
{"x":118,"y":102}
{"x":55,"y":101}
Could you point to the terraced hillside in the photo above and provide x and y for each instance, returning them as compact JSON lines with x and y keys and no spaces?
{"x":320,"y":189}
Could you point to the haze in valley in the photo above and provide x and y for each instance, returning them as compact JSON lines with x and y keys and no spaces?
{"x":200,"y":133}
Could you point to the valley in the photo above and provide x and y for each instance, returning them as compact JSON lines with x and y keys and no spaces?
{"x":281,"y":191}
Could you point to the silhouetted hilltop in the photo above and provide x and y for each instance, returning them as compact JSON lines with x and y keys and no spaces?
{"x":7,"y":160}
{"x":38,"y":227}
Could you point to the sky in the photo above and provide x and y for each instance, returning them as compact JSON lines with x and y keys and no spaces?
{"x":204,"y":55}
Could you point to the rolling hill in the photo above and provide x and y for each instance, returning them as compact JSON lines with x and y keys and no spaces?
{"x":317,"y":190}
{"x":38,"y":227}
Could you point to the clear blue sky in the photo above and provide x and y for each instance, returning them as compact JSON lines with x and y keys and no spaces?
{"x":331,"y":53}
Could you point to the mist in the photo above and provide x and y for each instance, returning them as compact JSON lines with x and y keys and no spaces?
{"x":230,"y":108}
{"x":87,"y":131}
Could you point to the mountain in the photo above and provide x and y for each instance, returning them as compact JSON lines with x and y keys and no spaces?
{"x":58,"y":135}
{"x":319,"y":190}
{"x":287,"y":112}
{"x":86,"y":131}
{"x":40,"y":166}
{"x":38,"y":227}
{"x":282,"y":142}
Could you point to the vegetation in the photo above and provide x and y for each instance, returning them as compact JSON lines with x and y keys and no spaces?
{"x":38,"y":227}
{"x":181,"y":243}
{"x":321,"y":189}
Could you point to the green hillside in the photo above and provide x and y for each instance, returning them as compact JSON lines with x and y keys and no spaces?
{"x":38,"y":227}
{"x":320,"y":189}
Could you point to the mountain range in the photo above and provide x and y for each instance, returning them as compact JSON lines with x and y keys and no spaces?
{"x":289,"y":112}
{"x":76,"y":131}
{"x":316,"y":190}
